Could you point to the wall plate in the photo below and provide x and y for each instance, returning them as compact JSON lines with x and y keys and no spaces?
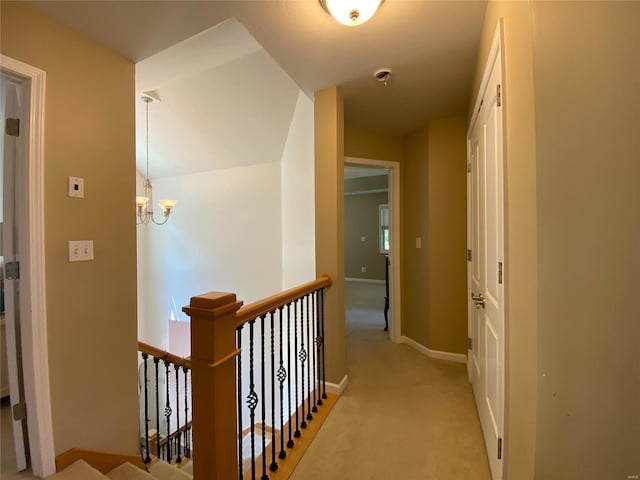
{"x":76,"y":187}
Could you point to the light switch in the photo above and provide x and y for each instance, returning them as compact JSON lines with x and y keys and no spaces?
{"x":80,"y":250}
{"x":363,"y":239}
{"x":76,"y":187}
{"x":418,"y":242}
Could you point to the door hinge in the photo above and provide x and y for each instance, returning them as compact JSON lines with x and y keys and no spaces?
{"x":469,"y":255}
{"x":20,"y":411}
{"x":469,"y":167}
{"x":499,"y":272}
{"x":12,"y":127}
{"x":12,"y":270}
{"x":499,"y":94}
{"x":499,"y":448}
{"x":469,"y":343}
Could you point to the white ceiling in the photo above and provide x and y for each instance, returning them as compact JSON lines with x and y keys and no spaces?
{"x":430,"y":45}
{"x":224,"y":102}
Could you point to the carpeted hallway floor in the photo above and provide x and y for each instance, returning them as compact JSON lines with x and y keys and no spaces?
{"x":403,"y":414}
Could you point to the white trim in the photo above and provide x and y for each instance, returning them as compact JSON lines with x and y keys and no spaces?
{"x":394,"y":226}
{"x":365,"y":280}
{"x":437,"y":354}
{"x":338,"y":388}
{"x":34,"y":340}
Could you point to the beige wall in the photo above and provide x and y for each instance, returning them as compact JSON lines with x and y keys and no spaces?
{"x":520,"y":230}
{"x":91,"y":306}
{"x":415,"y":262}
{"x":329,"y":174}
{"x":586,"y":71}
{"x":445,"y":236}
{"x":433,"y":196}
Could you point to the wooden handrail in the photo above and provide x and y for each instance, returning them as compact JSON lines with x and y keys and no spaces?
{"x":266,"y":305}
{"x":164,"y":355}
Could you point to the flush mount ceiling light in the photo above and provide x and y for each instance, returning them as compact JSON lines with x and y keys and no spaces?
{"x":351,"y":12}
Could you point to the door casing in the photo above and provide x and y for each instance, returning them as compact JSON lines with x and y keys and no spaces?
{"x":33,"y":294}
{"x":395,"y":329}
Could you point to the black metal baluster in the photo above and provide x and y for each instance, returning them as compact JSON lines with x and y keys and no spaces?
{"x":178,"y":449}
{"x":324,"y":371}
{"x":314,"y":334}
{"x":282,"y":375}
{"x":252,"y":402}
{"x":147,"y":457}
{"x":310,"y":345}
{"x":239,"y":390}
{"x":290,"y":443}
{"x":274,"y":465}
{"x":295,"y":359}
{"x":156,"y":361}
{"x":318,"y":348}
{"x":167,"y":412}
{"x":187,"y":428}
{"x":262,"y":401}
{"x":303,"y":358}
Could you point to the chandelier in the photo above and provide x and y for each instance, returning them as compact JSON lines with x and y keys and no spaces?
{"x":144,"y":204}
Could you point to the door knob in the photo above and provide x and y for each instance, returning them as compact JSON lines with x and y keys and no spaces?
{"x":478,"y":300}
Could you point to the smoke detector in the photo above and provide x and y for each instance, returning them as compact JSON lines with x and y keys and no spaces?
{"x":383,"y":75}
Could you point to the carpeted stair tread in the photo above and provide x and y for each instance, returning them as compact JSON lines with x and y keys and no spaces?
{"x":127,"y":471}
{"x":79,"y":470}
{"x":163,"y":471}
{"x":187,"y":467}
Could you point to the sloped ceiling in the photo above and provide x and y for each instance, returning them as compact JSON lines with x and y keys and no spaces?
{"x":223,"y":103}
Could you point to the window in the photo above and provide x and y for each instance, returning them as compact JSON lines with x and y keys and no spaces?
{"x":384,"y":228}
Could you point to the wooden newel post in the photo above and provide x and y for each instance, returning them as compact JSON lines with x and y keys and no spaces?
{"x":213,"y":384}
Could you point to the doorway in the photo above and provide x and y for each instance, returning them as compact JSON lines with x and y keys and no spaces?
{"x":23,"y":88}
{"x":380,"y":181}
{"x":11,"y":172}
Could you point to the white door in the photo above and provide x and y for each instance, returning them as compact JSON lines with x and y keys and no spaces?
{"x":11,"y":174}
{"x":486,"y":266}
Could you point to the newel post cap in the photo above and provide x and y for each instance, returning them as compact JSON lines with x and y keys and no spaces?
{"x":212,"y":304}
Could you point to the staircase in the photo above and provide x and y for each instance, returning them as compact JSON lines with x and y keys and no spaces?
{"x":255,"y":384}
{"x":157,"y":470}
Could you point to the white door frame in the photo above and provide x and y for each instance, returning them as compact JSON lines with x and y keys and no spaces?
{"x":395,"y":330}
{"x":33,"y":319}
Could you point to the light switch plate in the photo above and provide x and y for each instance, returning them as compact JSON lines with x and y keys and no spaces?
{"x":76,"y":187}
{"x":80,"y":250}
{"x":418,"y":242}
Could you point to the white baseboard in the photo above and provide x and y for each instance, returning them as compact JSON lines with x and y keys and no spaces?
{"x":364,"y":280}
{"x":451,"y":357}
{"x":338,"y":389}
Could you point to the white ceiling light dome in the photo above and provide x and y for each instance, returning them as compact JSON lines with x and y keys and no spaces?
{"x":351,"y":12}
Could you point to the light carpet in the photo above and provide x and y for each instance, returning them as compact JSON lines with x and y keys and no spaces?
{"x":403,"y":414}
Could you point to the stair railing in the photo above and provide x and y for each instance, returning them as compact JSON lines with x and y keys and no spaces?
{"x":164,"y":382}
{"x":256,"y":366}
